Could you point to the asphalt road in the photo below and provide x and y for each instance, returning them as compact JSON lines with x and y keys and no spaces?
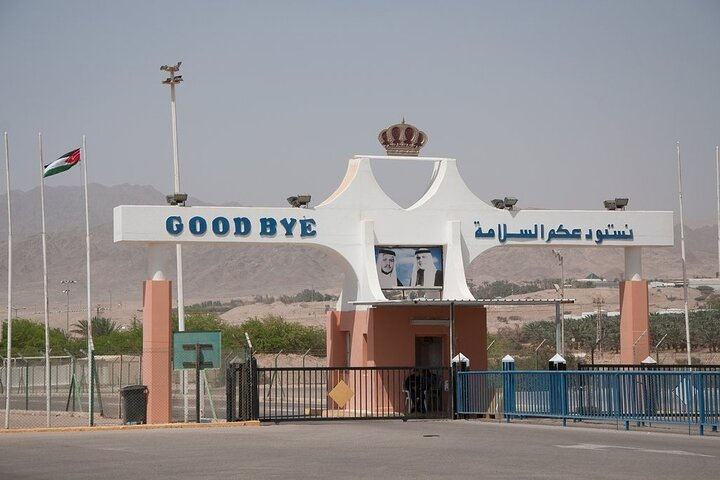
{"x":362,"y":449}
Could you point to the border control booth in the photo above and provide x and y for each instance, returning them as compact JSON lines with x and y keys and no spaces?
{"x":405,"y":299}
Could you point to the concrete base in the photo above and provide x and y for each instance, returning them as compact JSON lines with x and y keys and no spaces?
{"x":157,"y":342}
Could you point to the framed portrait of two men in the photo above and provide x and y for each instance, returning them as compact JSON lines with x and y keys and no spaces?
{"x":409,"y":267}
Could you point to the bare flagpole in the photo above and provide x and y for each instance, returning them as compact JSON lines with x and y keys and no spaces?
{"x":45,"y":283}
{"x":717,"y":167}
{"x":90,"y":346}
{"x":682,"y":250}
{"x":9,"y":305}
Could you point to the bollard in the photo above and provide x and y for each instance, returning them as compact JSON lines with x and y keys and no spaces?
{"x":647,"y":388}
{"x":459,"y":363}
{"x":556,"y":364}
{"x":508,"y":366}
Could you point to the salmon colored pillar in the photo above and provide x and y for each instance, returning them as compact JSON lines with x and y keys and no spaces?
{"x":634,"y":311}
{"x":157,"y":337}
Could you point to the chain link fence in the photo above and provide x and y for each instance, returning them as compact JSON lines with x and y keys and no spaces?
{"x":118,"y":394}
{"x":30,"y":401}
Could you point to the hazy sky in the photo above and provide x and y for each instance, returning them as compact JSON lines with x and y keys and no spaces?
{"x":561,"y":104}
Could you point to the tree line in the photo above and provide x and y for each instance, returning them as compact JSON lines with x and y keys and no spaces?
{"x":666,"y":333}
{"x":273,"y":333}
{"x":268,"y":334}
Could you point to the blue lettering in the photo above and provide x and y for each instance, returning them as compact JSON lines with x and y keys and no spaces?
{"x":220,"y":226}
{"x":307,"y":227}
{"x":268,"y":227}
{"x":174,"y":225}
{"x":197,"y":226}
{"x":242,"y":226}
{"x":289,"y":224}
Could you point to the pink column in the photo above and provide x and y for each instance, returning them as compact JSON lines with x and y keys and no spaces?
{"x":157,"y":338}
{"x":634,"y":320}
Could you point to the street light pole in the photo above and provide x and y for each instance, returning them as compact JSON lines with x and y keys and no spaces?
{"x":173,"y":80}
{"x":562,"y":297}
{"x":682,"y":253}
{"x":537,"y":354}
{"x":67,"y":305}
{"x":598,"y":301}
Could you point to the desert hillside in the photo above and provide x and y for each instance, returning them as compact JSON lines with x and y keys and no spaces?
{"x":239,"y":272}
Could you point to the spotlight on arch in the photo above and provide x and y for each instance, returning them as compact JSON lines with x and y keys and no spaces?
{"x":507,"y":202}
{"x":299,"y":201}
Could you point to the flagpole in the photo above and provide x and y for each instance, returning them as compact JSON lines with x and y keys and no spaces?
{"x":9,"y":305}
{"x":682,"y":251}
{"x":90,"y":346}
{"x":45,"y":283}
{"x":717,"y":168}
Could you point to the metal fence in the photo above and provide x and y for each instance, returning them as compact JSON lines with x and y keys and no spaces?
{"x":686,"y":397}
{"x":612,"y":367}
{"x":312,"y":393}
{"x":119,"y":396}
{"x":67,"y":401}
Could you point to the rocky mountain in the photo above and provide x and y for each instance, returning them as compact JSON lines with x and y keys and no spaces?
{"x":227,"y":271}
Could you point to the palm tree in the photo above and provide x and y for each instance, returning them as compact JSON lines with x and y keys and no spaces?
{"x":100,"y":326}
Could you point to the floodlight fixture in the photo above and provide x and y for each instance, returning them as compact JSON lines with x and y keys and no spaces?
{"x":177,"y":199}
{"x":502,"y":204}
{"x":616,"y":204}
{"x":558,"y":255}
{"x":299,"y":201}
{"x":510,"y":202}
{"x":171,"y":69}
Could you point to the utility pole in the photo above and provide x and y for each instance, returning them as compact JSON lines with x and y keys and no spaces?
{"x":67,"y":305}
{"x":598,"y":302}
{"x":179,"y":199}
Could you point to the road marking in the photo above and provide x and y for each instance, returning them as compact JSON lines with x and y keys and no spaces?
{"x":592,"y":446}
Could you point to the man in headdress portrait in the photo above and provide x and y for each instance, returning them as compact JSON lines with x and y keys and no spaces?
{"x":424,"y":273}
{"x":387,"y":274}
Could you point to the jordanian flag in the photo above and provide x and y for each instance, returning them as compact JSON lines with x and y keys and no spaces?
{"x":63,"y":163}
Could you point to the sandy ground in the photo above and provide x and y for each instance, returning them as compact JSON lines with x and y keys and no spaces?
{"x":660,"y":299}
{"x":308,"y":313}
{"x":314,"y":313}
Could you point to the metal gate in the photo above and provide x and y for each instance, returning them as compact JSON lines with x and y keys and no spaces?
{"x":324,"y":393}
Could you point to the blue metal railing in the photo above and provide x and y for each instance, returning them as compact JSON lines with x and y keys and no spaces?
{"x":683,"y":397}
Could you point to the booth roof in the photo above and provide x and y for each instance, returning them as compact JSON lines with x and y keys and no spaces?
{"x":476,"y":303}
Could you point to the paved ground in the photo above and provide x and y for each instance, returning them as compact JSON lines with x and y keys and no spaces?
{"x":346,"y":450}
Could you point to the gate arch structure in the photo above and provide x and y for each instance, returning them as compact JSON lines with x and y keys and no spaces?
{"x":359,"y":221}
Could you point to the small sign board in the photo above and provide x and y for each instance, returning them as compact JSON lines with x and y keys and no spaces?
{"x":185,"y":346}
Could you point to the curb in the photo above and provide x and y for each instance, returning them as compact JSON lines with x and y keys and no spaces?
{"x":251,"y":423}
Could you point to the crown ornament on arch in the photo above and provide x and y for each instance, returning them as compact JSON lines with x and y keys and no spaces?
{"x":402,"y":139}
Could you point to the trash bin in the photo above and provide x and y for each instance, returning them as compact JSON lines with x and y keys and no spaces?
{"x":134,"y":404}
